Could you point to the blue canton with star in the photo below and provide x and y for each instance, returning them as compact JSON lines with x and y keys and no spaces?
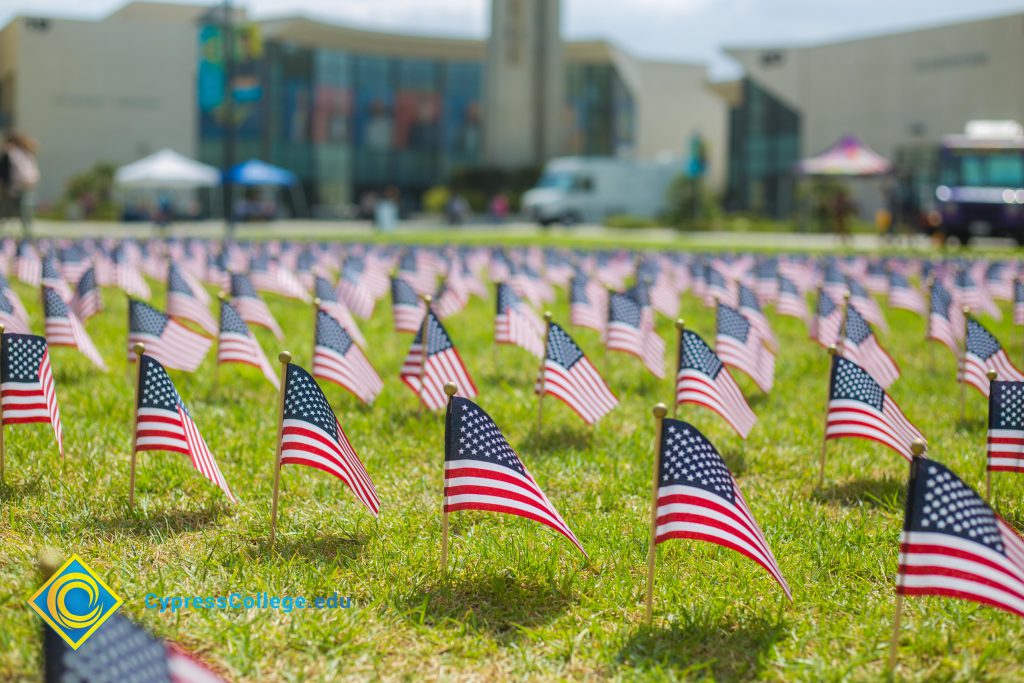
{"x":231,"y":321}
{"x":323,"y":290}
{"x":940,"y":300}
{"x":471,"y":434}
{"x":177,"y":283}
{"x":980,"y":341}
{"x":437,"y":337}
{"x":1006,"y":405}
{"x":507,"y":299}
{"x":156,"y":390}
{"x":850,"y":381}
{"x":697,"y":355}
{"x":942,"y":503}
{"x":331,"y":334}
{"x":402,"y":293}
{"x":241,"y":286}
{"x":578,"y":290}
{"x":732,"y":323}
{"x":23,"y":354}
{"x":689,"y":459}
{"x":623,"y":309}
{"x":857,"y":328}
{"x":53,"y":304}
{"x":561,"y":347}
{"x":144,"y":319}
{"x":303,"y":400}
{"x":748,"y":299}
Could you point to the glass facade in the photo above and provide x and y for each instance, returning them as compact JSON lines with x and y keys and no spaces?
{"x":764,"y":147}
{"x":349,"y":124}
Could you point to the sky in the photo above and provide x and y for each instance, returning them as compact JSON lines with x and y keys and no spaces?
{"x":683,"y":30}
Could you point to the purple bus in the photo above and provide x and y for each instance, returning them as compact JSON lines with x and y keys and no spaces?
{"x":980,"y":189}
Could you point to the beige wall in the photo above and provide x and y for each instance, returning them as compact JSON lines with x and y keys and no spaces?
{"x":112,"y":90}
{"x":899,"y":88}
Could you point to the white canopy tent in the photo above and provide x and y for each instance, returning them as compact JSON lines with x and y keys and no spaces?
{"x":167,"y":170}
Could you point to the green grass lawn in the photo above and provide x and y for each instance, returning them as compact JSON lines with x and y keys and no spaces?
{"x":518,"y":600}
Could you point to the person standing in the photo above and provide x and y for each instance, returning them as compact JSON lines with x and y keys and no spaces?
{"x":19,"y":177}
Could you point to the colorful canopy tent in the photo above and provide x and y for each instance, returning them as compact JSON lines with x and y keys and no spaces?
{"x":166,"y":170}
{"x":256,"y":173}
{"x":848,"y":157}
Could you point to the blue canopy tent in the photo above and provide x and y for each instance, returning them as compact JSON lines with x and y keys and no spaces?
{"x":256,"y":173}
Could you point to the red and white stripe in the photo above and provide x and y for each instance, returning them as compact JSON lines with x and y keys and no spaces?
{"x":943,"y":564}
{"x":690,"y":512}
{"x":644,"y":343}
{"x":173,"y":430}
{"x":28,"y":402}
{"x":340,"y":312}
{"x":178,"y":347}
{"x":752,"y":358}
{"x":351,"y":371}
{"x":70,"y":332}
{"x":909,"y":299}
{"x":850,"y":419}
{"x":357,"y":297}
{"x":238,"y":348}
{"x":517,"y":328}
{"x":1006,"y":450}
{"x":186,"y":307}
{"x":428,"y":381}
{"x":974,"y":370}
{"x":408,"y":318}
{"x":130,"y":280}
{"x":870,"y":355}
{"x":791,"y":305}
{"x":88,"y":305}
{"x":721,"y":395}
{"x":303,"y":443}
{"x":256,"y":312}
{"x":478,"y":485}
{"x":581,"y":387}
{"x":949,"y":333}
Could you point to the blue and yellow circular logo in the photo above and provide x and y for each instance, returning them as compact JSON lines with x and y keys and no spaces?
{"x":75,"y":602}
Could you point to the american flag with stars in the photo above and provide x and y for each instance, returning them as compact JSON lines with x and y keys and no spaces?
{"x":705,"y":381}
{"x":1006,"y":427}
{"x":482,"y":472}
{"x":87,"y":300}
{"x":251,"y":306}
{"x":329,"y":301}
{"x":311,"y":435}
{"x":982,"y":353}
{"x":903,"y":295}
{"x":63,"y":328}
{"x":166,"y":340}
{"x":165,"y":424}
{"x":407,"y":308}
{"x":17,"y":307}
{"x":699,"y":499}
{"x":52,"y":277}
{"x":29,"y":267}
{"x":568,"y":375}
{"x":858,"y":408}
{"x":954,"y":545}
{"x":237,"y":344}
{"x":27,"y":391}
{"x":354,"y":289}
{"x":828,"y":317}
{"x":184,"y":304}
{"x":427,"y":376}
{"x":337,"y":359}
{"x":1018,"y":301}
{"x":589,"y":303}
{"x":630,"y":331}
{"x":739,"y":344}
{"x":790,"y":301}
{"x":9,"y":317}
{"x":750,"y":307}
{"x":945,"y":319}
{"x":861,"y":346}
{"x":517,"y":324}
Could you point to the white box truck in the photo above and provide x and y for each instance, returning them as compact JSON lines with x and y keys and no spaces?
{"x":590,"y":189}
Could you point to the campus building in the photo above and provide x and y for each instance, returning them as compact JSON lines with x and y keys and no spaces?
{"x":348,"y":110}
{"x":901,"y":93}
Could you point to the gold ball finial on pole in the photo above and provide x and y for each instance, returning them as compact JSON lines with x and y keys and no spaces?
{"x":316,"y":301}
{"x":992,"y":374}
{"x":917,"y":447}
{"x":285,"y":357}
{"x":680,"y":323}
{"x":660,"y":410}
{"x":222,"y":295}
{"x":139,"y":348}
{"x":832,"y":350}
{"x":548,"y":317}
{"x":427,"y":299}
{"x":967,"y":310}
{"x":450,"y":389}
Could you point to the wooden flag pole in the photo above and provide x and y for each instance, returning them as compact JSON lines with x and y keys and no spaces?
{"x":2,"y":329}
{"x":963,"y":367}
{"x":285,"y":358}
{"x":681,"y":328}
{"x":842,"y":323}
{"x":929,"y":283}
{"x":139,"y":349}
{"x":659,"y":419}
{"x":450,"y":389}
{"x":832,"y":351}
{"x":543,"y":363}
{"x":992,"y":375}
{"x":423,"y":352}
{"x":222,"y":296}
{"x":917,"y":448}
{"x":316,"y":322}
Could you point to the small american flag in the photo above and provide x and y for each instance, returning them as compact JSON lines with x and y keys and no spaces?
{"x":982,"y":353}
{"x":169,"y":342}
{"x":1018,"y":302}
{"x":739,"y":345}
{"x":311,"y":435}
{"x":63,"y":328}
{"x":17,"y":307}
{"x":859,"y":408}
{"x":705,"y":381}
{"x":827,"y":319}
{"x":903,"y":295}
{"x":1006,"y":427}
{"x":121,"y":652}
{"x":631,"y":330}
{"x":569,"y":376}
{"x":337,"y":359}
{"x":406,"y":306}
{"x":517,"y":324}
{"x":415,"y":268}
{"x":945,"y":320}
{"x":51,"y":277}
{"x":164,"y":423}
{"x":237,"y":344}
{"x":251,"y":306}
{"x":269,"y":275}
{"x":184,"y":304}
{"x":442,"y":364}
{"x":449,"y":300}
{"x":750,"y":307}
{"x":26,"y":384}
{"x":954,"y":545}
{"x":790,"y":300}
{"x":29,"y":268}
{"x":968,"y":293}
{"x":87,"y":301}
{"x":353,"y":289}
{"x":329,"y":301}
{"x":9,"y":317}
{"x":868,"y":307}
{"x":589,"y":303}
{"x":482,"y":472}
{"x":699,"y":499}
{"x":127,"y":275}
{"x":861,"y":346}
